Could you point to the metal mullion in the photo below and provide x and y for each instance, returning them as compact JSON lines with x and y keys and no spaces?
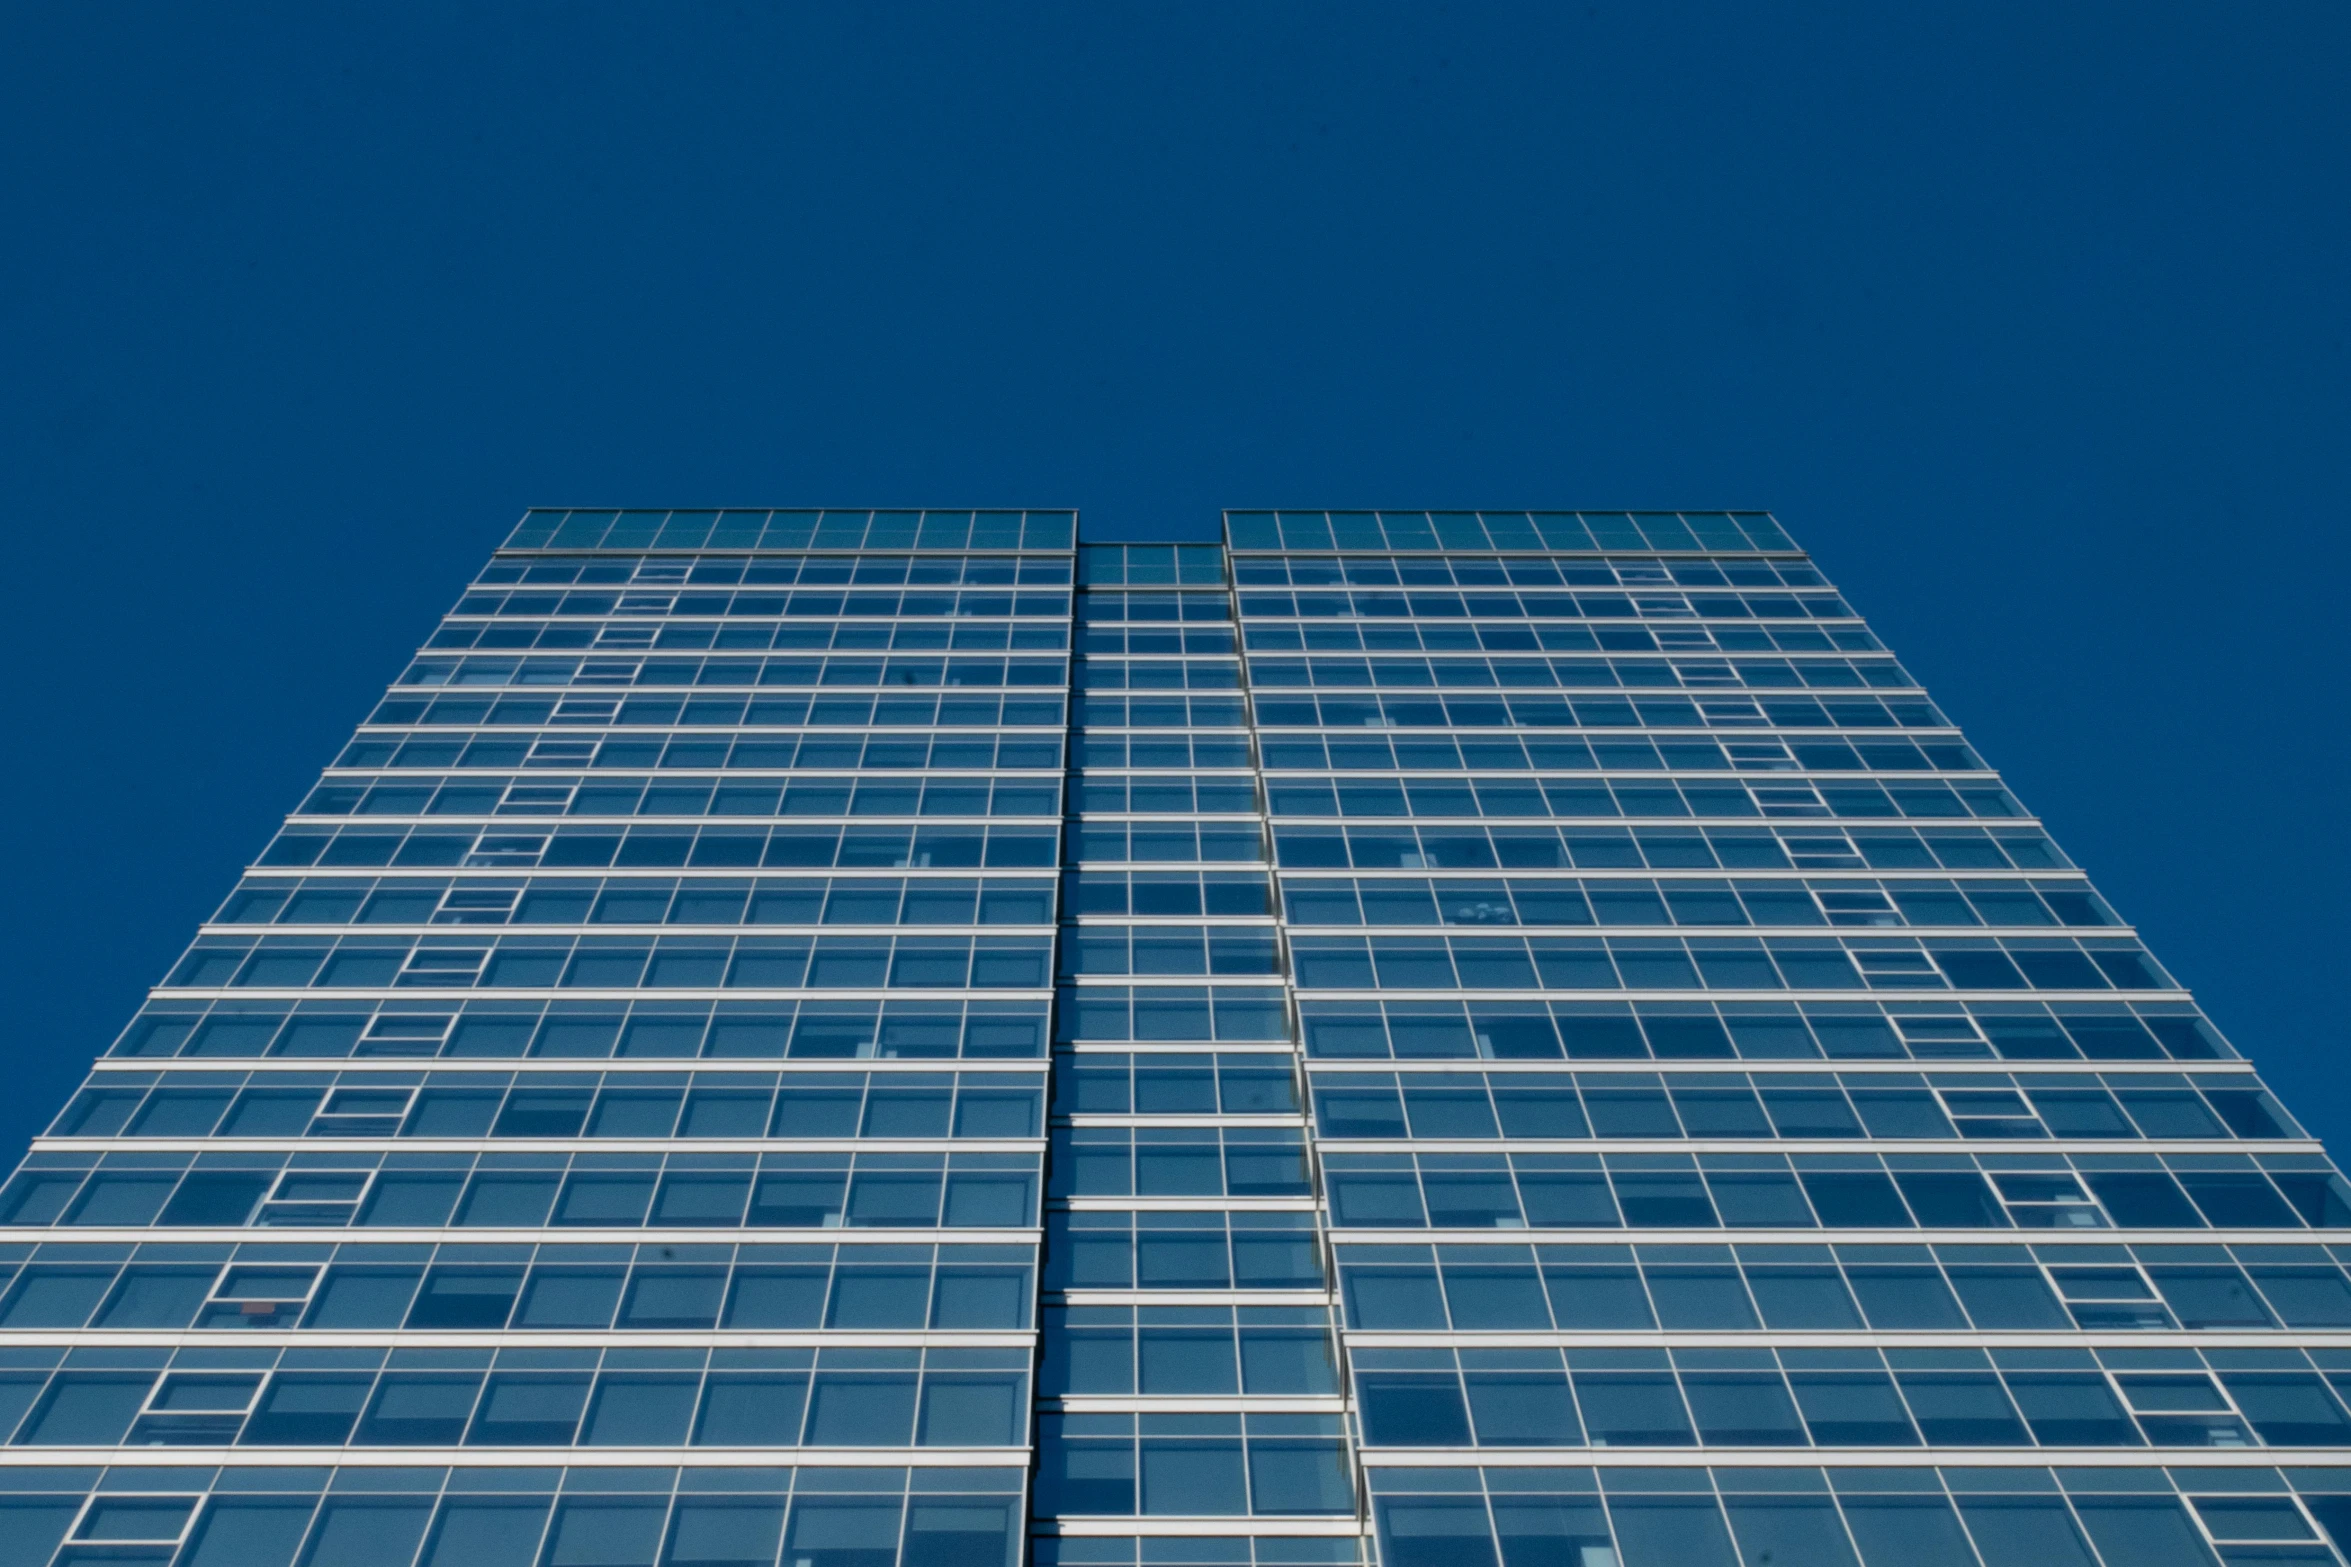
{"x":540,"y":1145}
{"x":1667,"y":932}
{"x":1191,"y":1297}
{"x":1704,"y":873}
{"x":1725,"y":1066}
{"x":1700,"y":1457}
{"x":1741,"y":731}
{"x":540,"y":1234}
{"x":1261,"y":981}
{"x":547,"y":773}
{"x":1859,"y":1338}
{"x":1194,"y":1403}
{"x":637,"y":872}
{"x":554,"y":993}
{"x":1822,"y":1235}
{"x":1190,"y":1204}
{"x":1350,"y":1418}
{"x":666,"y":932}
{"x":1898,"y":997}
{"x":539,"y":1338}
{"x":1619,"y":823}
{"x":607,"y":730}
{"x":520,"y":822}
{"x":1146,"y":1047}
{"x":1220,"y":1526}
{"x":574,"y":1457}
{"x":1286,"y":1120}
{"x":1159,"y":921}
{"x":181,"y":1065}
{"x":1538,"y":775}
{"x":2005,"y":1146}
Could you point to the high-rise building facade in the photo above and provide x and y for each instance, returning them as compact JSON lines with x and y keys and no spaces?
{"x":894,"y":1039}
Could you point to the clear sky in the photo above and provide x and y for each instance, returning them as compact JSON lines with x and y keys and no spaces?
{"x":2029,"y":320}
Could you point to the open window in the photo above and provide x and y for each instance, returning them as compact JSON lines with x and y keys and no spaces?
{"x":1760,"y":756}
{"x":1821,"y":851}
{"x":196,"y":1409}
{"x":362,"y":1109}
{"x":470,"y":903}
{"x":2185,"y":1409}
{"x":2109,"y":1295}
{"x":508,"y":848}
{"x":1991,"y":1112}
{"x":119,"y":1526}
{"x":2274,"y":1521}
{"x":432,"y":964}
{"x":561,"y":753}
{"x":253,"y":1295}
{"x":2048,"y":1200}
{"x":1864,"y":906}
{"x":536,"y":799}
{"x":405,"y":1034}
{"x":1902,"y":966}
{"x":315,"y":1197}
{"x":1937,"y":1034}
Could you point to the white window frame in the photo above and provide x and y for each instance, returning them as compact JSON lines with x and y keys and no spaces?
{"x":1855,"y":893}
{"x":1789,"y":802}
{"x":2153,"y":1297}
{"x":534,"y":798}
{"x":1817,"y":845}
{"x":304,"y":1206}
{"x":567,"y":752}
{"x":1950,"y":1025}
{"x":2318,"y":1535}
{"x":334,"y":1116}
{"x":1893,"y":962}
{"x":375,"y":1032}
{"x":1959,"y":1118}
{"x":148,"y":1411}
{"x":508,"y":848}
{"x":2086,"y":1204}
{"x":73,"y":1535}
{"x":411,"y":970}
{"x":301,"y":1302}
{"x":480,"y":900}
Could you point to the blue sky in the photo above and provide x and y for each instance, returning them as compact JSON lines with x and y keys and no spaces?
{"x":2029,"y":321}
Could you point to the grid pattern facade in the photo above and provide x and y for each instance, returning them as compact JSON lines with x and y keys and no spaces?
{"x":892,"y":1039}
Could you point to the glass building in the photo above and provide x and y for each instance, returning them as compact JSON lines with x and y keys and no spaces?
{"x":893,"y":1039}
